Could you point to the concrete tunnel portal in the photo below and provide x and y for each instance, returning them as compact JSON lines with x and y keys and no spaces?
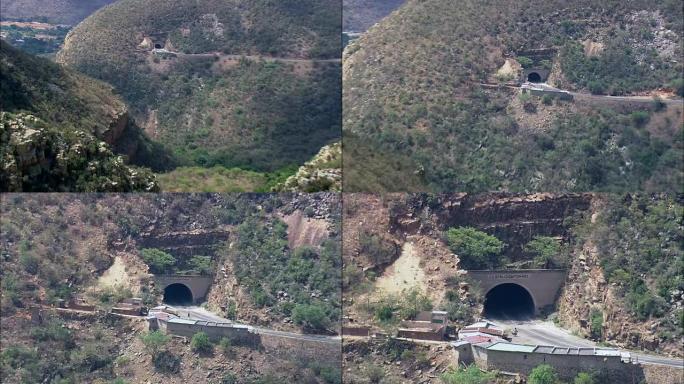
{"x":509,"y":301}
{"x":534,"y":77}
{"x":178,"y":294}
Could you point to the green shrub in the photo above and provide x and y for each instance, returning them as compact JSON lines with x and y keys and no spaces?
{"x":159,"y":261}
{"x":200,"y":343}
{"x":166,"y":361}
{"x":584,"y":378}
{"x":30,"y":262}
{"x":378,"y":250}
{"x":546,"y":252}
{"x":543,"y":374}
{"x":226,"y":346}
{"x":384,"y":313}
{"x":678,"y":86}
{"x":639,"y":118}
{"x":310,"y":316}
{"x":525,"y":62}
{"x":476,"y":249}
{"x":470,"y":375}
{"x":155,"y":342}
{"x":374,"y":373}
{"x":596,"y":323}
{"x":201,"y":265}
{"x":229,"y":378}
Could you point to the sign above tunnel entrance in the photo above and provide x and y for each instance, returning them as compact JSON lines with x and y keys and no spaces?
{"x":543,"y":285}
{"x":511,"y":276}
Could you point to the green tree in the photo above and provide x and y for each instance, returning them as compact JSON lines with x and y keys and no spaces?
{"x":155,"y":342}
{"x":310,"y":316}
{"x":200,"y":343}
{"x":543,"y":374}
{"x":470,"y":375}
{"x":158,"y":260}
{"x":546,"y":251}
{"x":476,"y":249}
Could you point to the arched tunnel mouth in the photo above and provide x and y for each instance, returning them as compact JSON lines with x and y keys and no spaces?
{"x":534,"y":77}
{"x":158,"y":46}
{"x":178,"y":294}
{"x":508,"y":301}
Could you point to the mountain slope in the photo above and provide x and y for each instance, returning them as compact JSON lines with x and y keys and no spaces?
{"x":60,"y":130}
{"x":53,"y":11}
{"x":359,"y":15}
{"x":413,"y":90}
{"x":239,"y":84}
{"x":90,"y":246}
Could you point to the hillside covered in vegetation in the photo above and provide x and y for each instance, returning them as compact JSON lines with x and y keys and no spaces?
{"x":430,"y":92}
{"x":105,"y":248}
{"x":247,"y":84}
{"x":62,"y":131}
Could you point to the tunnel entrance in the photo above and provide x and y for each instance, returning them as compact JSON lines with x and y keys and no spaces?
{"x":534,"y":77}
{"x":177,"y":294}
{"x":508,"y":301}
{"x":157,"y":46}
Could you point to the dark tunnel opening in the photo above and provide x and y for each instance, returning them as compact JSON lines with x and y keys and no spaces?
{"x":177,"y":294}
{"x":157,"y":46}
{"x":508,"y":301}
{"x":534,"y":77}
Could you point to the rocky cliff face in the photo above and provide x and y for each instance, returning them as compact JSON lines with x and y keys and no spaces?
{"x":587,"y":291}
{"x":37,"y":157}
{"x":513,"y":219}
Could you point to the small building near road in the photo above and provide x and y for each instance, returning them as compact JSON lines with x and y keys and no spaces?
{"x":426,"y":326}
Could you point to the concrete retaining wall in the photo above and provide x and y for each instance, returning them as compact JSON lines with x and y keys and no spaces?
{"x":304,"y":350}
{"x":567,"y":366}
{"x":241,"y":335}
{"x":286,"y":347}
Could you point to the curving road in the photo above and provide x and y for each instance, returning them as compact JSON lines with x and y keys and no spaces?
{"x":249,"y":57}
{"x":589,"y":96}
{"x":538,"y":332}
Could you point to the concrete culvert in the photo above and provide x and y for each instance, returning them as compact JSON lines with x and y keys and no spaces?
{"x":178,"y":294}
{"x":508,"y":301}
{"x":534,"y":77}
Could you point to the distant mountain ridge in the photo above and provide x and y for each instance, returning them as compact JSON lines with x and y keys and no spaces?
{"x":359,"y":15}
{"x":53,"y":11}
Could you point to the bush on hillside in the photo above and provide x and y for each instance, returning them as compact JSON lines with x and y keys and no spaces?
{"x":475,"y":249}
{"x":543,"y":374}
{"x":470,"y":375}
{"x":200,"y":343}
{"x":159,"y":261}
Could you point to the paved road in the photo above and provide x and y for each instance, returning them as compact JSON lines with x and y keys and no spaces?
{"x":538,"y":332}
{"x":199,"y":313}
{"x":589,"y":96}
{"x":250,"y":57}
{"x":631,"y":99}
